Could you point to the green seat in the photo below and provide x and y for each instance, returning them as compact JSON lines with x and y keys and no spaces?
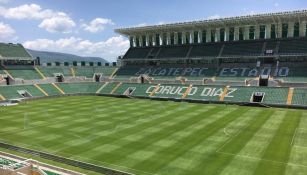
{"x":24,"y":72}
{"x":11,"y":92}
{"x":14,"y":51}
{"x":84,"y":87}
{"x":50,"y":71}
{"x":299,"y":96}
{"x":50,"y":89}
{"x":108,"y":88}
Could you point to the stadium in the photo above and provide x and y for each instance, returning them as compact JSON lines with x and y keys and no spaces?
{"x":219,"y":96}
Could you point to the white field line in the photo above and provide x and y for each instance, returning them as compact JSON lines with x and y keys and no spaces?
{"x":241,"y":130}
{"x":261,"y":159}
{"x":293,"y":137}
{"x":226,"y":133}
{"x":236,"y":134}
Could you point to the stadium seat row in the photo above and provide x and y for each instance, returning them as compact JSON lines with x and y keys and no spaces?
{"x":271,"y":95}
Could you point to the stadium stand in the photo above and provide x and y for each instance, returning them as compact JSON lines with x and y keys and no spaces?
{"x":20,"y":91}
{"x":271,"y":95}
{"x":299,"y":96}
{"x":153,"y":52}
{"x":89,"y":72}
{"x":206,"y":93}
{"x":253,"y":68}
{"x":295,"y":46}
{"x":23,"y":72}
{"x":173,"y":51}
{"x":167,"y":72}
{"x":50,"y":89}
{"x":271,"y":45}
{"x":170,"y":91}
{"x":84,"y":87}
{"x":51,"y":71}
{"x":132,"y":89}
{"x":246,"y":48}
{"x":206,"y":50}
{"x":202,"y":65}
{"x":136,"y":53}
{"x":108,"y":88}
{"x":296,"y":74}
{"x":13,"y":51}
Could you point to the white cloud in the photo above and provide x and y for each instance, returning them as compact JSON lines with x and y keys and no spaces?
{"x":97,"y":25}
{"x":26,"y":11}
{"x":59,"y":23}
{"x":108,"y":49}
{"x":52,"y":21}
{"x":214,"y":17}
{"x":141,"y":25}
{"x":6,"y":31}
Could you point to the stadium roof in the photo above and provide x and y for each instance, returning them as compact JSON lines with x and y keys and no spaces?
{"x":9,"y":51}
{"x":300,"y":15}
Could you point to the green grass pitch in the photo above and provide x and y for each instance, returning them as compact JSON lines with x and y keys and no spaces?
{"x":154,"y":137}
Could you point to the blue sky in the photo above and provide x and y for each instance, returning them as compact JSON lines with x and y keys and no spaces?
{"x":87,"y":27}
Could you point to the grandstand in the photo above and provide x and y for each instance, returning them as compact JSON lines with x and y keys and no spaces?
{"x":256,"y":42}
{"x":13,"y":52}
{"x":254,"y":53}
{"x":246,"y":60}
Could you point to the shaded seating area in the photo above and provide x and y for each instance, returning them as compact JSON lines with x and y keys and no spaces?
{"x":135,"y":52}
{"x":243,"y":48}
{"x":174,"y":51}
{"x":293,"y":46}
{"x":206,"y":50}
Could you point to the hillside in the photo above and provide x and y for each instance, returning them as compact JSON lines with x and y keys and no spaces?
{"x":62,"y":57}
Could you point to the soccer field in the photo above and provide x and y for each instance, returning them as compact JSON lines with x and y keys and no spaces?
{"x":158,"y":137}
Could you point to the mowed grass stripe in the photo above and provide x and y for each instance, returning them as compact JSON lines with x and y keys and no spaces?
{"x":297,"y":162}
{"x":173,"y":139}
{"x":247,"y":159}
{"x":93,"y":129}
{"x":113,"y":137}
{"x":130,"y":159}
{"x":277,"y":154}
{"x":154,"y":163}
{"x":133,"y":146}
{"x":233,"y":146}
{"x":38,"y":116}
{"x":192,"y":158}
{"x":70,"y":136}
{"x":90,"y":133}
{"x":34,"y":114}
{"x":57,"y":143}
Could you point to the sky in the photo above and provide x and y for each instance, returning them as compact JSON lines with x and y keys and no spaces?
{"x":86,"y":27}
